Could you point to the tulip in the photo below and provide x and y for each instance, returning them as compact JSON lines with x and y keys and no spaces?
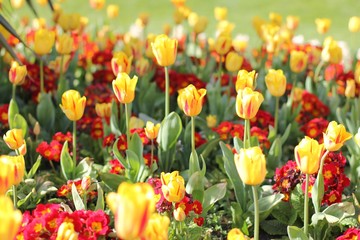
{"x":136,"y":122}
{"x":42,"y":2}
{"x":211,"y":121}
{"x":16,"y":4}
{"x":124,"y":87}
{"x":66,"y":231}
{"x":179,"y":214}
{"x":112,"y":11}
{"x":121,"y":63}
{"x":157,"y":228}
{"x":298,"y":61}
{"x":292,"y":22}
{"x":173,"y":186}
{"x":331,"y":51}
{"x":335,"y":136}
{"x":103,"y":110}
{"x":64,"y":44}
{"x":132,"y":206}
{"x":235,"y":234}
{"x":350,"y":88}
{"x":44,"y":41}
{"x":14,"y":139}
{"x":144,"y":18}
{"x":354,"y":24}
{"x":63,"y":60}
{"x":178,"y":16}
{"x":248,"y":103}
{"x":357,"y":137}
{"x":223,"y":44}
{"x":240,"y":43}
{"x":17,"y":73}
{"x":245,"y":79}
{"x":200,"y":25}
{"x":307,"y":155}
{"x":69,"y":22}
{"x":220,"y":13}
{"x":7,"y":174}
{"x":142,"y":66}
{"x":97,"y":4}
{"x":191,"y":100}
{"x":276,"y":82}
{"x":233,"y":61}
{"x":322,"y":25}
{"x":165,"y":50}
{"x":251,"y":165}
{"x":152,"y":130}
{"x":73,"y":105}
{"x":10,"y":219}
{"x":275,"y":18}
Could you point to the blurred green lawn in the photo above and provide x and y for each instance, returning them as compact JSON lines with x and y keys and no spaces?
{"x":240,"y":12}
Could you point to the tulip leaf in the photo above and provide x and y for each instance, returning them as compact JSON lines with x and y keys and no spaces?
{"x":295,"y":233}
{"x":206,"y":148}
{"x":317,"y":192}
{"x":238,"y":144}
{"x":114,"y":119}
{"x":12,"y":111}
{"x":24,"y":200}
{"x":112,"y":181}
{"x":11,"y":30}
{"x":339,"y":211}
{"x":118,"y":155}
{"x":78,"y":203}
{"x":195,"y":186}
{"x":34,"y":168}
{"x":169,"y":132}
{"x":66,"y":162}
{"x":268,"y":202}
{"x":136,"y":145}
{"x":134,"y":163}
{"x":100,"y":205}
{"x":31,"y":5}
{"x":212,"y":195}
{"x":45,"y":112}
{"x":20,"y":123}
{"x":274,"y":156}
{"x":286,"y":134}
{"x":194,"y":164}
{"x":84,"y":168}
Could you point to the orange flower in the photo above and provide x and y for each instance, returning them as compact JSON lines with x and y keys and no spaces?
{"x":73,"y":105}
{"x":335,"y":136}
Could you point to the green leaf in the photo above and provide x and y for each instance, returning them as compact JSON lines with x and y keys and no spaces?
{"x":136,"y":145}
{"x":268,"y":202}
{"x":84,"y":168}
{"x":114,"y":119}
{"x":12,"y":111}
{"x":45,"y":111}
{"x":212,"y":195}
{"x":274,"y":227}
{"x":169,"y":132}
{"x":238,"y":218}
{"x":78,"y":203}
{"x":274,"y":156}
{"x":25,"y":199}
{"x":317,"y":192}
{"x":238,"y":144}
{"x":20,"y":123}
{"x":34,"y":168}
{"x":195,"y":186}
{"x":286,"y":134}
{"x":296,"y":233}
{"x":338,"y":211}
{"x":100,"y":205}
{"x":112,"y":180}
{"x":285,"y":213}
{"x":9,"y":49}
{"x":66,"y":162}
{"x":194,"y":164}
{"x":208,"y":147}
{"x":119,"y":156}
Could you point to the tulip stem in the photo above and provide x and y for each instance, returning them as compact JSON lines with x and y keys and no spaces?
{"x":192,"y":134}
{"x":13,"y":91}
{"x":14,"y":196}
{"x":306,"y":206}
{"x":317,"y":71}
{"x":247,"y":134}
{"x":127,"y":119}
{"x":74,"y":143}
{"x":277,"y":100}
{"x":41,"y":75}
{"x":61,"y":82}
{"x":256,"y":213}
{"x":167,"y":94}
{"x":152,"y":154}
{"x":220,"y":68}
{"x":322,"y":161}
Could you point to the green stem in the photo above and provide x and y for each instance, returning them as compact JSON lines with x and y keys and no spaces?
{"x":277,"y":100}
{"x":74,"y":143}
{"x":52,"y":166}
{"x":247,"y":143}
{"x":322,"y":162}
{"x":14,"y":196}
{"x":306,"y":206}
{"x":13,"y":92}
{"x":220,"y":68}
{"x":167,"y":93}
{"x":256,"y":213}
{"x":193,"y":134}
{"x":41,"y":76}
{"x":152,"y":153}
{"x":245,"y":133}
{"x":127,"y":121}
{"x":230,"y":84}
{"x":317,"y":71}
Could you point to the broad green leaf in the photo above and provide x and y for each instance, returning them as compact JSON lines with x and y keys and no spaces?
{"x":268,"y":202}
{"x":24,"y":200}
{"x":208,"y":147}
{"x":195,"y":186}
{"x":194,"y":164}
{"x":275,"y":153}
{"x":34,"y":168}
{"x":84,"y":168}
{"x":317,"y":192}
{"x":136,"y":145}
{"x":66,"y":162}
{"x":338,"y":211}
{"x":239,"y":218}
{"x":212,"y":195}
{"x":112,"y":181}
{"x":285,"y":135}
{"x":45,"y":111}
{"x":78,"y":203}
{"x":169,"y":132}
{"x":100,"y":205}
{"x":12,"y":111}
{"x":238,"y":144}
{"x":114,"y":119}
{"x":119,"y":156}
{"x":295,"y":233}
{"x":20,"y":123}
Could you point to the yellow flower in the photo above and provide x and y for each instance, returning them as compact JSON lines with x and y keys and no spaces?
{"x":69,"y":22}
{"x":103,"y":110}
{"x":233,"y":61}
{"x":152,"y":130}
{"x":44,"y":41}
{"x":178,"y":16}
{"x":223,"y":44}
{"x":18,"y":165}
{"x":335,"y":136}
{"x":142,"y":66}
{"x":275,"y":18}
{"x":42,"y":2}
{"x":211,"y":121}
{"x":55,"y":64}
{"x":112,"y":11}
{"x":66,"y":231}
{"x":292,"y":22}
{"x":73,"y":105}
{"x":179,"y":214}
{"x":11,"y":172}
{"x":251,"y":165}
{"x":10,"y":219}
{"x":132,"y":206}
{"x":354,"y":24}
{"x":17,"y":3}
{"x":136,"y":122}
{"x":248,"y":103}
{"x":14,"y":139}
{"x":17,"y":73}
{"x":97,"y":4}
{"x":322,"y":25}
{"x":331,"y":51}
{"x":307,"y":155}
{"x":298,"y":61}
{"x":124,"y":87}
{"x":275,"y":82}
{"x":357,"y":137}
{"x":272,"y":35}
{"x":157,"y":228}
{"x":240,"y":43}
{"x":173,"y":186}
{"x":235,"y":234}
{"x":190,"y":100}
{"x":165,"y":50}
{"x":144,"y":18}
{"x":64,"y":44}
{"x":121,"y":63}
{"x":200,"y":25}
{"x":350,"y":88}
{"x":258,"y":23}
{"x":220,"y":13}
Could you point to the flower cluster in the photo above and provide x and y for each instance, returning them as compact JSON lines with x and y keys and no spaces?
{"x":51,"y":151}
{"x":4,"y":108}
{"x":83,"y":186}
{"x":315,"y":128}
{"x":349,"y":234}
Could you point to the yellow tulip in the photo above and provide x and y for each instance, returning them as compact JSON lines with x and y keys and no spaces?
{"x":275,"y":18}
{"x":152,"y":130}
{"x":142,"y":66}
{"x":220,"y":13}
{"x":331,"y":51}
{"x":103,"y":110}
{"x":136,"y":122}
{"x":190,"y":100}
{"x":292,"y":22}
{"x":64,"y":44}
{"x":17,"y":3}
{"x":271,"y":35}
{"x":97,"y":4}
{"x":7,"y":175}
{"x":10,"y":219}
{"x":298,"y":61}
{"x":69,"y":22}
{"x":73,"y":105}
{"x":66,"y":231}
{"x":44,"y":41}
{"x":42,"y":2}
{"x":235,"y":234}
{"x":14,"y":138}
{"x":173,"y":186}
{"x":233,"y":61}
{"x":124,"y":87}
{"x":157,"y":228}
{"x":248,"y":103}
{"x":56,"y":63}
{"x":200,"y":25}
{"x":335,"y":136}
{"x":144,"y":18}
{"x":179,"y":214}
{"x":322,"y":25}
{"x":307,"y":155}
{"x":18,"y":165}
{"x":275,"y":82}
{"x":39,"y":23}
{"x":223,"y":44}
{"x":245,"y":79}
{"x":211,"y":121}
{"x":251,"y":165}
{"x":354,"y":24}
{"x":179,"y":16}
{"x":350,"y":88}
{"x":240,"y":43}
{"x":357,"y":137}
{"x":166,"y":29}
{"x":258,"y":23}
{"x":121,"y":63}
{"x":132,"y":205}
{"x":165,"y":50}
{"x":112,"y":11}
{"x":17,"y":73}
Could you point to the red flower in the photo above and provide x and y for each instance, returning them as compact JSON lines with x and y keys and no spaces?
{"x":350,"y":234}
{"x":98,"y":222}
{"x":116,"y":166}
{"x":199,"y":221}
{"x":197,"y":207}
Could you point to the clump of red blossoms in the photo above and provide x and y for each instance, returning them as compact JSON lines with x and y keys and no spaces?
{"x":350,"y":234}
{"x":51,"y":151}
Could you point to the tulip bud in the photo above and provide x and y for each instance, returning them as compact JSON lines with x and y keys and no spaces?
{"x":152,"y":130}
{"x":44,"y":41}
{"x":240,"y":43}
{"x":190,"y":100}
{"x":173,"y":186}
{"x":248,"y":103}
{"x":97,"y":4}
{"x":18,"y":165}
{"x":165,"y":50}
{"x":37,"y":129}
{"x":233,"y":61}
{"x":85,"y":183}
{"x":42,"y":2}
{"x":245,"y":79}
{"x":220,"y":13}
{"x":223,"y":44}
{"x":298,"y":61}
{"x":350,"y":88}
{"x":121,"y":63}
{"x":136,"y":122}
{"x":354,"y":24}
{"x":331,"y":51}
{"x":276,"y":82}
{"x":200,"y":25}
{"x":235,"y":234}
{"x":103,"y":110}
{"x":307,"y":155}
{"x":335,"y":136}
{"x":322,"y":25}
{"x":251,"y":165}
{"x":275,"y":18}
{"x":178,"y":16}
{"x":292,"y":22}
{"x":112,"y":11}
{"x":10,"y":219}
{"x":64,"y":44}
{"x":14,"y":138}
{"x":179,"y":214}
{"x":73,"y":105}
{"x":211,"y":121}
{"x":17,"y":73}
{"x":124,"y":87}
{"x":6,"y":174}
{"x":66,"y":231}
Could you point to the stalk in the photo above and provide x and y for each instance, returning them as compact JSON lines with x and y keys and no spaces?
{"x":256,"y":213}
{"x":167,"y":94}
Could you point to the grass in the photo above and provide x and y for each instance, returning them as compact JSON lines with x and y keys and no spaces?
{"x":240,"y":12}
